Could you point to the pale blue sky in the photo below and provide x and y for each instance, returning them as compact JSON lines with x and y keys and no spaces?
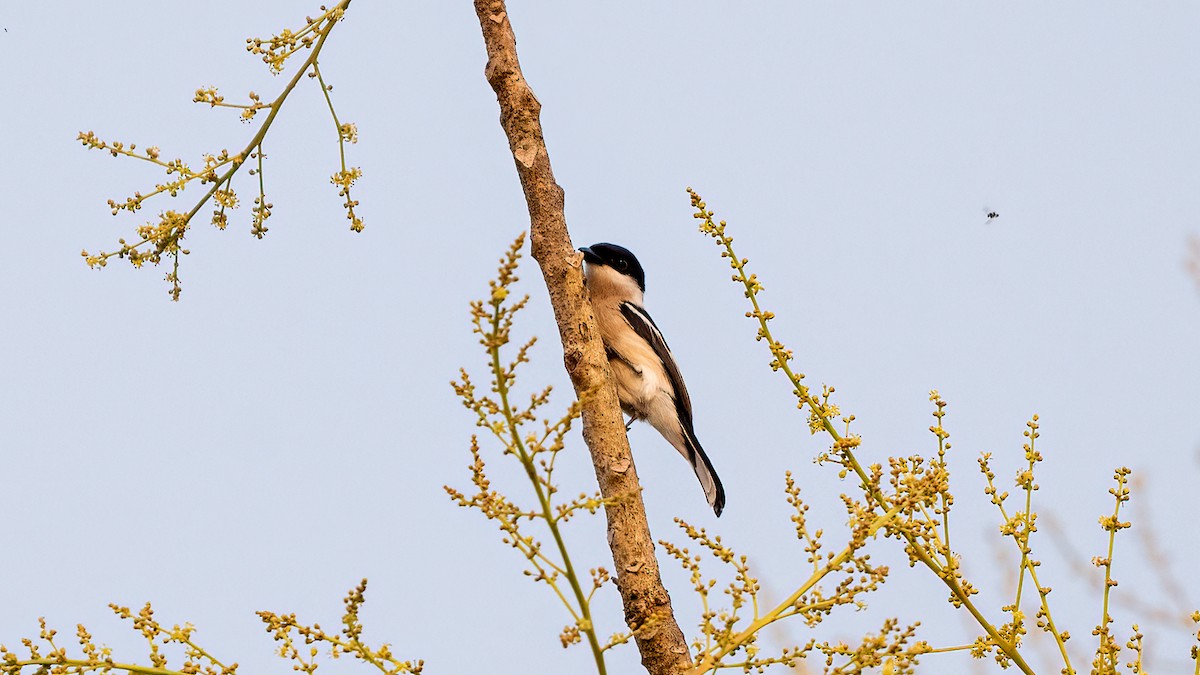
{"x":287,"y":428}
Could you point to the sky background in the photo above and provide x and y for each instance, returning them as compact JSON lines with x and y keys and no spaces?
{"x":286,"y":429}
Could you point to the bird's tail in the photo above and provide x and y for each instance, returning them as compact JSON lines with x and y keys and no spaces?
{"x":709,"y":480}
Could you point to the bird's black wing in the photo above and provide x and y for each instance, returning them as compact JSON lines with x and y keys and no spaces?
{"x":641,"y":322}
{"x":644,"y":326}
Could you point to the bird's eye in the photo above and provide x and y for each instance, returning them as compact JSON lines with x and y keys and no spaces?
{"x":622,"y":265}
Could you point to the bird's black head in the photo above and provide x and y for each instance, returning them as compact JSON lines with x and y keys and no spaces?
{"x":617,"y":257}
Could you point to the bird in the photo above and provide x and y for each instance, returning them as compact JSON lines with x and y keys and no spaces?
{"x":991,"y":215}
{"x":649,"y":384}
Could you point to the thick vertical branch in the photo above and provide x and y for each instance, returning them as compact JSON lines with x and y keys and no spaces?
{"x":646,"y":602}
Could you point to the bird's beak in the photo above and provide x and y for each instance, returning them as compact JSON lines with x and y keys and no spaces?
{"x":588,"y":255}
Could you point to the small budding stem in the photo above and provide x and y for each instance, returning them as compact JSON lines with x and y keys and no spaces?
{"x":1112,"y":524}
{"x":843,"y":445}
{"x":710,"y":660}
{"x":234,"y":162}
{"x":588,"y":627}
{"x":82,"y":666}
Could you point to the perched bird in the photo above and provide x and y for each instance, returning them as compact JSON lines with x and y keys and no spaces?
{"x":648,"y":380}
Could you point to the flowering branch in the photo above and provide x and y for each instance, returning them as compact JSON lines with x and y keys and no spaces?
{"x":164,"y":237}
{"x":536,"y":452}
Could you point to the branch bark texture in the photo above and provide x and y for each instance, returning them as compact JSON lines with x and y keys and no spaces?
{"x":647,"y":606}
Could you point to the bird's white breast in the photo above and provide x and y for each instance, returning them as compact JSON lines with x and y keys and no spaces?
{"x":641,"y":378}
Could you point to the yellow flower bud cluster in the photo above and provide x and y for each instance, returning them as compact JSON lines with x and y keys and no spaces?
{"x":162,"y":238}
